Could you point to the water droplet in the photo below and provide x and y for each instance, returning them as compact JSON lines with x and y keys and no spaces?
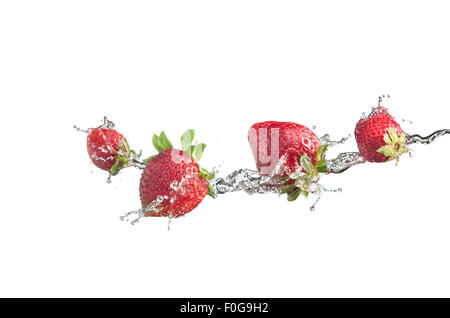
{"x":80,"y":130}
{"x":169,"y":223}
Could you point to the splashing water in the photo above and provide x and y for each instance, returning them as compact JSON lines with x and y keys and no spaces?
{"x":244,"y":180}
{"x":319,"y":192}
{"x":252,"y":182}
{"x":136,"y":161}
{"x":407,"y":121}
{"x":107,"y":124}
{"x":152,"y":207}
{"x":344,"y":161}
{"x":325,"y":140}
{"x":414,"y":139}
{"x":80,"y":130}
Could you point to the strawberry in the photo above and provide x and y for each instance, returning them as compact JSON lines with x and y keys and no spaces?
{"x":272,"y":140}
{"x":173,"y":178}
{"x":286,"y":150}
{"x":107,"y":148}
{"x":379,"y":137}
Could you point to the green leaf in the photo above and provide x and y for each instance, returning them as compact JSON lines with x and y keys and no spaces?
{"x":294,"y":195}
{"x":198,"y":151}
{"x":393,"y":134}
{"x":126,"y":145}
{"x":211,"y":191}
{"x":305,"y":193}
{"x":282,"y":180}
{"x":321,"y":152}
{"x":155,"y":141}
{"x":205,"y":174}
{"x":190,"y":152}
{"x":306,"y":163}
{"x":187,"y":139}
{"x":303,"y":182}
{"x":387,"y":150}
{"x":164,"y":142}
{"x":113,"y":168}
{"x":296,"y":175}
{"x":321,"y":166}
{"x":287,"y":188}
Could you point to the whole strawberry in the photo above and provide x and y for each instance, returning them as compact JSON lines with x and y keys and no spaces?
{"x":107,"y":148}
{"x":271,"y":140}
{"x":172,"y":183}
{"x":290,"y":152}
{"x":379,"y":137}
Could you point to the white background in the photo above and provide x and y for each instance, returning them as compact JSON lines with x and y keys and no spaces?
{"x":218,"y":67}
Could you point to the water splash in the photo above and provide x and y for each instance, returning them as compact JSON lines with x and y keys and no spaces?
{"x":251,"y":182}
{"x":80,"y":130}
{"x":382,"y":99}
{"x":319,"y":192}
{"x":344,"y":161}
{"x":169,"y":224}
{"x":407,"y":121}
{"x":136,"y":161}
{"x":325,"y":140}
{"x":244,"y":180}
{"x":414,"y":139}
{"x":107,"y":124}
{"x":140,"y":213}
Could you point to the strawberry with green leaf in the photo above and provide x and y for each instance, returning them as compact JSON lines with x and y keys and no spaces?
{"x":175,"y":176}
{"x":290,"y":153}
{"x":379,"y":137}
{"x":108,"y":149}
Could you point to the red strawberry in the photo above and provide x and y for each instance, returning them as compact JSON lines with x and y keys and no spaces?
{"x":172,"y":183}
{"x":107,"y":148}
{"x":272,"y":140}
{"x":290,"y":152}
{"x":379,"y":137}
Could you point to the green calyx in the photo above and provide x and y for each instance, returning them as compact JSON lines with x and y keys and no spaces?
{"x":310,"y":174}
{"x":123,"y":157}
{"x":193,"y":149}
{"x":395,"y":145}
